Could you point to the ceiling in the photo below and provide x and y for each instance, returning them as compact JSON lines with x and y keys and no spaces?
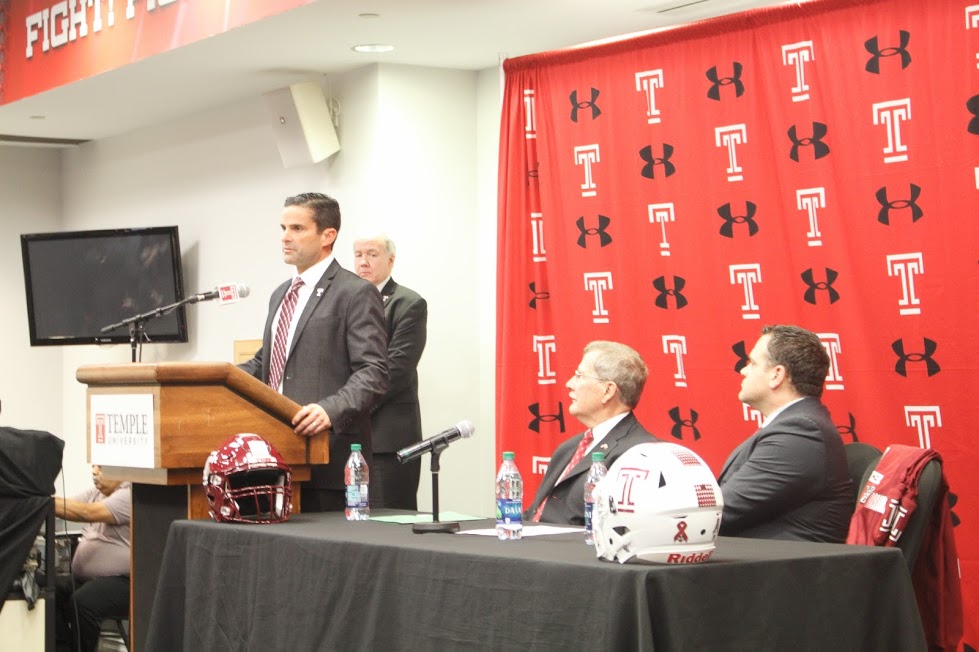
{"x":315,"y":40}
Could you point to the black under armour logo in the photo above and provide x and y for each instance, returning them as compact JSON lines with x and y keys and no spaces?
{"x":545,"y":418}
{"x":727,"y":229}
{"x":533,"y":174}
{"x":649,"y":170}
{"x":604,"y":238}
{"x":588,"y":104}
{"x":886,"y":205}
{"x":714,"y":92}
{"x":973,"y":105}
{"x":543,"y":295}
{"x":741,"y":351}
{"x":666,"y":292}
{"x":873,"y":63}
{"x":953,"y":500}
{"x":819,"y":148}
{"x":849,"y":429}
{"x":679,"y":424}
{"x":903,"y":358}
{"x":809,"y":296}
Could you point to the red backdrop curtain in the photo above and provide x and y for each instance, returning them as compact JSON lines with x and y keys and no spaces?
{"x":813,"y":165}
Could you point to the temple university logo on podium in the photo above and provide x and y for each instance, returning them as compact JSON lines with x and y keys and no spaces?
{"x":122,"y":430}
{"x":99,"y":428}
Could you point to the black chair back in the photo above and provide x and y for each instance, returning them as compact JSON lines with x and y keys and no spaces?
{"x":861,"y":458}
{"x":921,"y":518}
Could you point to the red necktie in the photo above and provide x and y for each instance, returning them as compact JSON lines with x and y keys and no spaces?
{"x":278,"y":362}
{"x":579,"y":453}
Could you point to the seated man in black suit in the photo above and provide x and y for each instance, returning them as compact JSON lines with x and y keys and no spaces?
{"x":789,"y":480}
{"x":604,"y":390}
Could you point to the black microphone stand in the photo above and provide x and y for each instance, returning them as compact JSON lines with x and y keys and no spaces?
{"x":137,"y":324}
{"x":435,"y":525}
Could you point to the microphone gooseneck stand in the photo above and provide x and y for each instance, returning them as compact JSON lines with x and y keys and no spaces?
{"x":436,"y":526}
{"x":137,"y":324}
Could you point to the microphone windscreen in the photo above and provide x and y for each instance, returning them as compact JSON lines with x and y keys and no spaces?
{"x":466,"y":428}
{"x":243,"y":290}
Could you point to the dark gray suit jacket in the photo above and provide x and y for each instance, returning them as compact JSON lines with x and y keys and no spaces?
{"x":566,"y":499}
{"x":396,"y":421}
{"x":338,"y":359}
{"x":789,"y":480}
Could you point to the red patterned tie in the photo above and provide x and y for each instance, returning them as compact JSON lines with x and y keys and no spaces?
{"x":579,"y":453}
{"x":278,"y":362}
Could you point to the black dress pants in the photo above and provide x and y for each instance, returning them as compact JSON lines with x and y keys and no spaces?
{"x":94,"y":601}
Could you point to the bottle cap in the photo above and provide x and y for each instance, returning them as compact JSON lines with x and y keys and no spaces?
{"x":598,"y":456}
{"x":508,"y":455}
{"x":355,"y":447}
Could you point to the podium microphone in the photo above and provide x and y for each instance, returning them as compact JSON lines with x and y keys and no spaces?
{"x":461,"y":430}
{"x":231,"y":293}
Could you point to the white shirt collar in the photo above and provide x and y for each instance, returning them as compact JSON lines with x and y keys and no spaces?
{"x":313,"y":275}
{"x":601,"y":430}
{"x":380,"y":286}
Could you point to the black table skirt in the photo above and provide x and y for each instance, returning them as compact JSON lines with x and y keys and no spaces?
{"x":322,"y":583}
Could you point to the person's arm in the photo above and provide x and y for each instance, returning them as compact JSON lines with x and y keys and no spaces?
{"x":82,"y":512}
{"x":368,"y":362}
{"x":785,"y":469}
{"x":367,"y":349}
{"x":406,"y":345}
{"x":253,"y":367}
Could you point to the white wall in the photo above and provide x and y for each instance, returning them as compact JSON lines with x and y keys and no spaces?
{"x":418,"y":160}
{"x":30,"y":202}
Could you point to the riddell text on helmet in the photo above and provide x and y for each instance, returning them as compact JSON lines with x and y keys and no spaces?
{"x":695,"y":558}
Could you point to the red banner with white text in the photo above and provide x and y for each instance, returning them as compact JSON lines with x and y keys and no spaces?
{"x":50,"y":43}
{"x":814,"y":165}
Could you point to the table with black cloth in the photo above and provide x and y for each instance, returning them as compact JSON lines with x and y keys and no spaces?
{"x":320,"y":582}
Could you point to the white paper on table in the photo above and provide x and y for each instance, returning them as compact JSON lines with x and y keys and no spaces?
{"x":528,"y":530}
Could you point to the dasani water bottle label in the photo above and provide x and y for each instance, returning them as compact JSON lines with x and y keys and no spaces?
{"x":509,"y":511}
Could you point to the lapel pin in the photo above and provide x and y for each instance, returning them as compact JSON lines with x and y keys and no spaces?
{"x":604,"y":447}
{"x":319,"y":292}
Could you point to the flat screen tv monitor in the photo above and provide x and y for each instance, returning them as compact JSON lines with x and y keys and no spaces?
{"x":79,"y":282}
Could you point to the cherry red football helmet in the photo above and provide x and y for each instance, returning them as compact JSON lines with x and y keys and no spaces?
{"x":659,"y":503}
{"x":246,"y":481}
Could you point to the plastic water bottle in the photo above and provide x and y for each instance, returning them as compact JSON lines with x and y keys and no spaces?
{"x":509,"y":500}
{"x":356,"y":477}
{"x":595,"y":474}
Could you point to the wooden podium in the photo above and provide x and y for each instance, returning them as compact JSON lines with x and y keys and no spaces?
{"x":196,"y":407}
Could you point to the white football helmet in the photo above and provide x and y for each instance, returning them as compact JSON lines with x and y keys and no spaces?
{"x":659,"y":503}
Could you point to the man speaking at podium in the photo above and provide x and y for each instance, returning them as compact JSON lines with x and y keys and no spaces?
{"x":324,"y":344}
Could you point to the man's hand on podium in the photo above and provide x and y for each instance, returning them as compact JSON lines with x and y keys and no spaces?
{"x":311,"y":420}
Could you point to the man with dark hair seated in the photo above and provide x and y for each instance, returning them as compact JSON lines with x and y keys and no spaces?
{"x":789,"y":480}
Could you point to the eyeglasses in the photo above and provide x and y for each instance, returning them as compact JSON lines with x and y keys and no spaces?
{"x":578,"y":376}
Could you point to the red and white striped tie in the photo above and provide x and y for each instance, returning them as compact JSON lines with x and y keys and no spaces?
{"x":579,"y":453}
{"x":278,"y":362}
